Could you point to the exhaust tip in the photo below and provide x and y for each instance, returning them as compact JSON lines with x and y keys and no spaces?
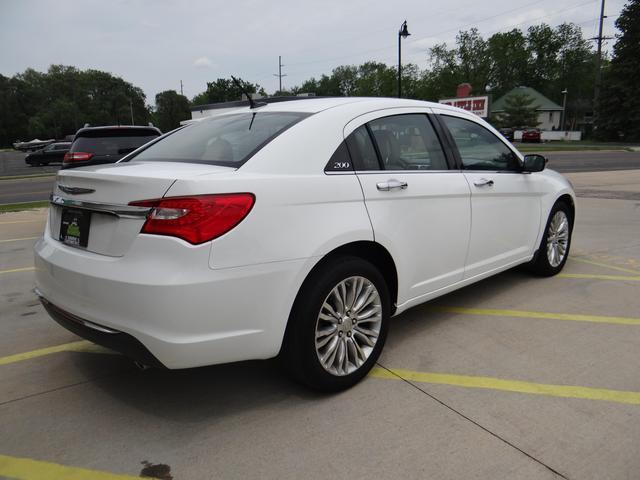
{"x":141,"y":366}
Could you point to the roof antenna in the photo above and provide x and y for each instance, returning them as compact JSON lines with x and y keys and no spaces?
{"x":252,"y":103}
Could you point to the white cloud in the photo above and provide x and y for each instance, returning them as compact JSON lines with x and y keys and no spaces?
{"x":202,"y":62}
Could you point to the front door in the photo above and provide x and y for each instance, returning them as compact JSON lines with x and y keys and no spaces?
{"x":505,"y":203}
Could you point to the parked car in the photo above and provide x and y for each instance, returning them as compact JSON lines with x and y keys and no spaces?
{"x":507,"y":133}
{"x":99,"y":145}
{"x":296,"y":229}
{"x":531,"y":135}
{"x":54,"y":152}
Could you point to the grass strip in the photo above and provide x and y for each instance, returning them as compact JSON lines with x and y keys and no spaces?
{"x":17,"y":207}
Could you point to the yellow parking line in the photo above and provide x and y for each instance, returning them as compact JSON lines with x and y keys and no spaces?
{"x":79,"y":346}
{"x":24,"y":221}
{"x":605,"y":265}
{"x":28,"y":469}
{"x":14,"y":270}
{"x":17,"y":239}
{"x":491,"y":383}
{"x":600,"y":277}
{"x":544,"y":315}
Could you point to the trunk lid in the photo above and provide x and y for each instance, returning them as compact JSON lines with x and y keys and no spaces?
{"x":96,"y":194}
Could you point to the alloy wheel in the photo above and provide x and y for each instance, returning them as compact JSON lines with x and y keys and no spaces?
{"x":557,"y":238}
{"x":348,"y":326}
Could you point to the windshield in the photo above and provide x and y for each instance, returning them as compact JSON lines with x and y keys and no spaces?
{"x":227,"y":140}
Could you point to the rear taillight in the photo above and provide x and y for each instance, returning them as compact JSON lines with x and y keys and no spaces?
{"x":196,"y":219}
{"x":74,"y":157}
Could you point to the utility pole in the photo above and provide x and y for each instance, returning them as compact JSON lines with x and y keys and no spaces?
{"x":181,"y":92}
{"x":280,"y":74}
{"x":131,"y":108}
{"x":600,"y":38}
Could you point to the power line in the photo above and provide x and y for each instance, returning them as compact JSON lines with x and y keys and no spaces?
{"x":511,"y":26}
{"x":476,"y":22}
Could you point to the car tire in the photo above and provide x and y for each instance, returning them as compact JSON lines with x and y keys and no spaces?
{"x":556,"y":242}
{"x":329,"y":345}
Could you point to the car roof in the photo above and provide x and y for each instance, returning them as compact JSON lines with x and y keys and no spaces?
{"x":315,"y":105}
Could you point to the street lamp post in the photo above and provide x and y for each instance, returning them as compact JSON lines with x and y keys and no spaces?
{"x":564,"y":108}
{"x":402,"y":33}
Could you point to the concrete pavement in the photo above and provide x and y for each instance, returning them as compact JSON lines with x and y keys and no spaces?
{"x":93,"y":410}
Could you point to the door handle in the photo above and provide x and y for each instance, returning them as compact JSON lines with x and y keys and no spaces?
{"x":391,"y":184}
{"x":483,"y":182}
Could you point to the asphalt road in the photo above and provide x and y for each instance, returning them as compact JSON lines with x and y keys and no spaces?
{"x":12,"y":163}
{"x":592,"y":161}
{"x":25,"y":189}
{"x":31,"y":190}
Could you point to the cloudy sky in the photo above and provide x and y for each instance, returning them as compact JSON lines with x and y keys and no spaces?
{"x":156,"y":43}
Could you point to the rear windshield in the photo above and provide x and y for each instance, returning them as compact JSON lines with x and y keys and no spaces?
{"x":113,"y":142}
{"x":227,"y":140}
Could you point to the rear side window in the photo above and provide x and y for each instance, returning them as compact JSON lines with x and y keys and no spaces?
{"x":362,"y":150}
{"x":227,"y":140}
{"x":408,"y":142}
{"x":112,"y":143}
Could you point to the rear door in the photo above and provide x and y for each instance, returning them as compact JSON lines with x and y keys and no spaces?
{"x":418,"y":205}
{"x":505,"y":203}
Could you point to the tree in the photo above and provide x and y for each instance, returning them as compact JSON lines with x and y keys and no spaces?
{"x":509,"y":61}
{"x":171,"y":108}
{"x":519,"y":111}
{"x":618,"y":113}
{"x":225,"y":90}
{"x":473,"y":58}
{"x":376,"y":79}
{"x":58,"y":102}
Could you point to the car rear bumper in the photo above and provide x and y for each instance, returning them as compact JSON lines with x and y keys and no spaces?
{"x":165,"y":304}
{"x":107,"y":337}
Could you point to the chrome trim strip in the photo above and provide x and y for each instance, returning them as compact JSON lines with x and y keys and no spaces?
{"x":73,"y":318}
{"x":122,"y":211}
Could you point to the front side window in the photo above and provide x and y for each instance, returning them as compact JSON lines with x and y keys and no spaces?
{"x":227,"y":140}
{"x":408,"y":142}
{"x":479,"y":148}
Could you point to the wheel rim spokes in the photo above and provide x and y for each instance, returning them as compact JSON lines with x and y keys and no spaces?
{"x":557,"y":238}
{"x":348,"y":326}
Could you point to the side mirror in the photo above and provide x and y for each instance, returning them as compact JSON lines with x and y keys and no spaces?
{"x":533,"y":163}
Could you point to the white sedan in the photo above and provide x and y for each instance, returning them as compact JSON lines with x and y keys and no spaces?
{"x":297,"y":229}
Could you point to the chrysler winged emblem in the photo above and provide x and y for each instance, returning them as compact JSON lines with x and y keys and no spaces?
{"x":75,"y":190}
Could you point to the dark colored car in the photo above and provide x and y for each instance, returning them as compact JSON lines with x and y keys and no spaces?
{"x":98,"y":145}
{"x":507,"y":133}
{"x":52,"y":153}
{"x":531,"y":135}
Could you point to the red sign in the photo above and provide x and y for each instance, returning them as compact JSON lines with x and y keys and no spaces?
{"x":477,"y":105}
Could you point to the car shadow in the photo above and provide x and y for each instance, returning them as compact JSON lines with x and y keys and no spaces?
{"x":206,"y":393}
{"x":421,"y":318}
{"x":197,"y":394}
